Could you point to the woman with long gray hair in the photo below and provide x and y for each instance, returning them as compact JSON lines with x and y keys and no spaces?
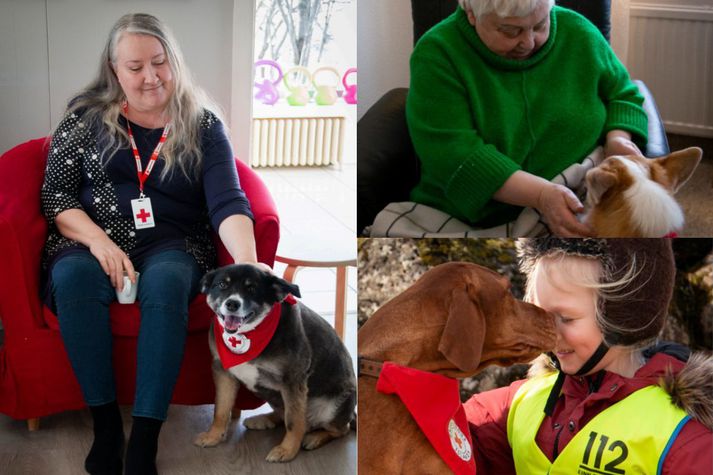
{"x":139,"y":169}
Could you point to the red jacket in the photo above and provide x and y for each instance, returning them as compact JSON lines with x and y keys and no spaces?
{"x":690,"y":454}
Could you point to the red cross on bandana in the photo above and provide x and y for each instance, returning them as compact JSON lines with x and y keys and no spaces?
{"x":143,"y":215}
{"x":242,"y":347}
{"x":437,"y":410}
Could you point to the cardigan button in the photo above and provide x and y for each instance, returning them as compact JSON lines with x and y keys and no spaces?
{"x":570,"y":426}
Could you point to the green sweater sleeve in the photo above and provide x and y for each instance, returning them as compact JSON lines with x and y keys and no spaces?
{"x":624,"y":101}
{"x":453,"y":154}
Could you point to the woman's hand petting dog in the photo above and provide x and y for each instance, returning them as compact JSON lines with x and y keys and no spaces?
{"x":260,"y":265}
{"x":619,"y":143}
{"x":558,"y":205}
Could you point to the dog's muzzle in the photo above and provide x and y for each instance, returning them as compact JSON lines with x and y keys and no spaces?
{"x":232,"y":323}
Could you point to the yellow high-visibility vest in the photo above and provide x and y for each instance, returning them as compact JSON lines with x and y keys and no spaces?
{"x":630,"y":437}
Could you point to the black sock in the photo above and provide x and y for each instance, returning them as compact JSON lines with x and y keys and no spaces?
{"x":143,"y":444}
{"x":105,"y":456}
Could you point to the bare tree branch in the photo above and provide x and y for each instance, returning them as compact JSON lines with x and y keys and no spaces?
{"x":286,"y":11}
{"x":269,"y":31}
{"x":325,"y":29}
{"x":306,"y":24}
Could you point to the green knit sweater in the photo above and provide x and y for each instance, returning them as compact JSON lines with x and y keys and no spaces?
{"x":475,"y":118}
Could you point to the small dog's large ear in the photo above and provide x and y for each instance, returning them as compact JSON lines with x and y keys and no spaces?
{"x":680,"y":165}
{"x":283,"y":288}
{"x":207,"y":280}
{"x":598,"y":181}
{"x":464,"y":334}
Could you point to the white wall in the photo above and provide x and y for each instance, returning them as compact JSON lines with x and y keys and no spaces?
{"x":670,"y":49}
{"x":620,"y":29}
{"x":24,"y":73}
{"x":385,"y":42}
{"x":49,"y":50}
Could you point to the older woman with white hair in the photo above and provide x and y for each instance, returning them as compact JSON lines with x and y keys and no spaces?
{"x":506,"y":94}
{"x":139,"y":169}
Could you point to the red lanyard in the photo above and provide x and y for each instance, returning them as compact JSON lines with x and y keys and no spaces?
{"x":144,"y":175}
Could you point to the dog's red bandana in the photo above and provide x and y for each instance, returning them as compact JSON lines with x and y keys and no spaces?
{"x":434,"y":403}
{"x":237,"y":348}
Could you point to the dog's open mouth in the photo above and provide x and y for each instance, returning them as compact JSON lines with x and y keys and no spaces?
{"x":232,"y":323}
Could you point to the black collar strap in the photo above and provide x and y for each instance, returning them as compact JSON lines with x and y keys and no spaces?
{"x":369,"y":367}
{"x":559,"y":382}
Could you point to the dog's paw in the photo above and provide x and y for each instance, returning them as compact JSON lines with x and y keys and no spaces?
{"x":260,"y":422}
{"x":209,"y":439}
{"x":315,"y":440}
{"x":281,"y":453}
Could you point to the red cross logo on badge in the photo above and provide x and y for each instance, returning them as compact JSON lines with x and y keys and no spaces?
{"x":143,"y":215}
{"x":460,"y":444}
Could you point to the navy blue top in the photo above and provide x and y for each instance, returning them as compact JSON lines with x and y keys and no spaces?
{"x":79,"y":176}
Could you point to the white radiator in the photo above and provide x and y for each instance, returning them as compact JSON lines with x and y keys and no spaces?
{"x":297,"y":141}
{"x":671,"y":50}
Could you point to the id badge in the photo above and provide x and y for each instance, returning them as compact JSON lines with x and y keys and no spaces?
{"x":236,"y":342}
{"x":142,"y":212}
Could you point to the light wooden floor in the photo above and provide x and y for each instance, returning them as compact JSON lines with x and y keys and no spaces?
{"x":62,"y":442}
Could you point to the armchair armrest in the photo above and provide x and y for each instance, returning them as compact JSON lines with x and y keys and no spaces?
{"x":20,"y":306}
{"x":387,"y":167}
{"x":657,"y":144}
{"x":23,"y":231}
{"x":267,"y":221}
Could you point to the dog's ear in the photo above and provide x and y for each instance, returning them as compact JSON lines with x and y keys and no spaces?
{"x":464,"y":334}
{"x":207,"y":280}
{"x":680,"y":165}
{"x":283,"y":288}
{"x":598,"y":180}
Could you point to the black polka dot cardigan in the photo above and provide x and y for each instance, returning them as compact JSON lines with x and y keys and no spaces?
{"x":79,"y":176}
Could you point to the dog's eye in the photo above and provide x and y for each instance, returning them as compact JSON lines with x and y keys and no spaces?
{"x":222,"y":285}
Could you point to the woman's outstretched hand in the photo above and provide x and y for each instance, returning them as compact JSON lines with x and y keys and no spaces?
{"x":619,"y":143}
{"x":558,"y":206}
{"x":260,"y":265}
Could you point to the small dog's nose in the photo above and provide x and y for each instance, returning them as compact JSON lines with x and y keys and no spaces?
{"x":232,"y":305}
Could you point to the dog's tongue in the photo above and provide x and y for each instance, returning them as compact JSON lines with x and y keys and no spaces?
{"x":232,"y":323}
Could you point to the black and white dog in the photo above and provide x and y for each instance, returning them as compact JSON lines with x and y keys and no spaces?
{"x":282,"y":351}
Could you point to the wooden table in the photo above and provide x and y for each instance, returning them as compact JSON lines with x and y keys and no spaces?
{"x":320,"y":251}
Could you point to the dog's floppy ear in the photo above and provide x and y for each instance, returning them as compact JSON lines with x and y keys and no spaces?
{"x":598,"y":181}
{"x":680,"y":165}
{"x":207,"y":280}
{"x":282,"y":288}
{"x":464,"y":334}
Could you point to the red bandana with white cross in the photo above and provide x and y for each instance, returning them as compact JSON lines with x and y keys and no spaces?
{"x":258,"y":337}
{"x":434,"y":402}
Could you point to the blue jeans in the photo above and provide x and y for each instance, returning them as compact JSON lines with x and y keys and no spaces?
{"x":82,"y":292}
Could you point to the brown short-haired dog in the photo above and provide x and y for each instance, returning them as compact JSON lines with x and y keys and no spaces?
{"x":455,"y":320}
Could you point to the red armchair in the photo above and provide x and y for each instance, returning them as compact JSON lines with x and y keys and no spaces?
{"x":36,"y":378}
